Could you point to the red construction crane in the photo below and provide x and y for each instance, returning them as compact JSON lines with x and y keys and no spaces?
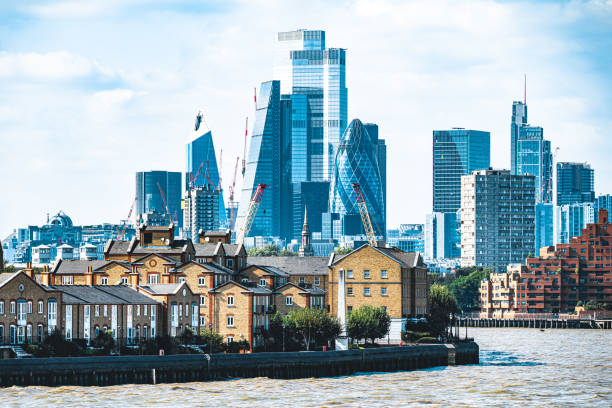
{"x":251,"y":212}
{"x":219,"y":187}
{"x":365,"y":215}
{"x":207,"y":175}
{"x":125,"y":223}
{"x":194,"y":178}
{"x":246,"y":132}
{"x":231,"y":194}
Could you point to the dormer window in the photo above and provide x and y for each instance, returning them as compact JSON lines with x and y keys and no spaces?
{"x":147,"y":238}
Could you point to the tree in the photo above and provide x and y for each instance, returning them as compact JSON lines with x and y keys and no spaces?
{"x":269,"y":250}
{"x":442,"y":304}
{"x":343,"y":250}
{"x":465,"y":288}
{"x":8,"y":268}
{"x":312,"y":324}
{"x":105,"y":341}
{"x":212,"y":340}
{"x":368,"y":322}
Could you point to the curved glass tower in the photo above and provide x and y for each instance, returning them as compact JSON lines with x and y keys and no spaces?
{"x":356,"y":162}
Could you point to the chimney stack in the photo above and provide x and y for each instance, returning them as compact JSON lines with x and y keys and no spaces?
{"x":89,"y":276}
{"x":28,"y":270}
{"x":45,"y":276}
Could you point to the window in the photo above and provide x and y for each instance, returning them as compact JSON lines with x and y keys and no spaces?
{"x":302,"y":280}
{"x":317,"y":281}
{"x":104,"y":281}
{"x":186,"y":310}
{"x":230,"y":321}
{"x":349,"y":291}
{"x":349,"y":310}
{"x":262,"y":283}
{"x":349,"y":274}
{"x":39,"y":332}
{"x":145,"y":309}
{"x":1,"y":308}
{"x":230,"y":339}
{"x":97,"y":310}
{"x":366,"y":274}
{"x":202,"y":300}
{"x":230,"y":301}
{"x":67,"y":280}
{"x":105,"y":310}
{"x":366,"y":291}
{"x":29,"y":307}
{"x":153,"y":278}
{"x":145,"y":331}
{"x":124,"y":280}
{"x":202,"y":321}
{"x":148,"y":238}
{"x":12,"y":308}
{"x":229,"y":263}
{"x":245,"y":280}
{"x":201,"y":281}
{"x":137,"y":310}
{"x":181,"y":279}
{"x":289,"y":300}
{"x":383,"y":274}
{"x":383,"y":291}
{"x":181,"y":310}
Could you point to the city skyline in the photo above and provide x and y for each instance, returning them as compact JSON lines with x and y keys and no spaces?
{"x":92,"y":104}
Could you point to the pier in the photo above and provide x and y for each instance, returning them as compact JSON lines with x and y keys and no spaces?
{"x":537,"y":322}
{"x":114,"y":370}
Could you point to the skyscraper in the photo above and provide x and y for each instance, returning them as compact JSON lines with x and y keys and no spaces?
{"x":357,"y":162}
{"x":381,"y":154}
{"x":201,"y":211}
{"x":497,"y":218}
{"x":149,"y":198}
{"x":519,"y":119}
{"x":534,"y":156}
{"x":263,"y":165}
{"x":442,"y":235}
{"x":200,"y":156}
{"x":570,"y":219}
{"x":456,"y":153}
{"x":575,"y":183}
{"x":603,"y":202}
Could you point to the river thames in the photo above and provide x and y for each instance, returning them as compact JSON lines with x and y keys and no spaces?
{"x":519,"y":367}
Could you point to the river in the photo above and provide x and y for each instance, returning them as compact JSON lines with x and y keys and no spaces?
{"x":519,"y":367}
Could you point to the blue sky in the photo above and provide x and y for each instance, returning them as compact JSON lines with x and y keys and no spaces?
{"x":91,"y":92}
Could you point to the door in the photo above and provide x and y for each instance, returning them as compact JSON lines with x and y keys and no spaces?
{"x":13,"y":334}
{"x":69,"y":322}
{"x":52,"y":315}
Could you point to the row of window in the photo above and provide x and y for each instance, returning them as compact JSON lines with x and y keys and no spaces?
{"x":28,"y":307}
{"x":366,"y":274}
{"x":366,"y":291}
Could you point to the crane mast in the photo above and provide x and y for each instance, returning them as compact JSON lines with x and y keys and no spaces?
{"x":125,"y":224}
{"x":231,"y":194}
{"x":251,"y":212}
{"x":246,"y":132}
{"x":163,"y":196}
{"x":365,"y":215}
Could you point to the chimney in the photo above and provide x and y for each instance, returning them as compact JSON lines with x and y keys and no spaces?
{"x":28,"y":270}
{"x":45,"y":276}
{"x":603,"y":216}
{"x":89,"y":276}
{"x":134,"y":280}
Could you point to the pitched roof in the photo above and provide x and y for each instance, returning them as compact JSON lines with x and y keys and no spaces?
{"x":167,"y":259}
{"x":310,"y":290}
{"x":255,"y":289}
{"x":405,"y":259}
{"x":76,"y":266}
{"x":272,"y":270}
{"x":120,"y":294}
{"x":232,"y":249}
{"x":216,"y":268}
{"x":162,"y":288}
{"x":118,"y":247}
{"x":6,"y":277}
{"x":207,"y":249}
{"x":293,"y":265}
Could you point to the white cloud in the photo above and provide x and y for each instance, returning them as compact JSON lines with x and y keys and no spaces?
{"x":59,"y":65}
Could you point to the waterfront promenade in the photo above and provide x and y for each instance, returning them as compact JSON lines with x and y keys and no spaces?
{"x":592,"y":320}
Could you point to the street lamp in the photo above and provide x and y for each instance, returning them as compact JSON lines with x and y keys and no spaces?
{"x":283,"y":336}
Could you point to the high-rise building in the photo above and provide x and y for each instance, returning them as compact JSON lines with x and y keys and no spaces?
{"x":570,"y":219}
{"x":313,"y":195}
{"x":456,"y":153}
{"x":315,"y":77}
{"x":356,"y":162}
{"x":263,"y":165}
{"x":544,"y":230}
{"x":603,"y":202}
{"x":155,"y":186}
{"x":201,"y":211}
{"x":201,"y":162}
{"x":575,"y":183}
{"x":534,"y":156}
{"x":497,"y":218}
{"x":519,"y":119}
{"x":442,"y":235}
{"x":381,"y":154}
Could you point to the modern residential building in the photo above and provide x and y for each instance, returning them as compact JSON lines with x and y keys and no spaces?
{"x":519,"y":119}
{"x":456,"y":152}
{"x":442,"y":235}
{"x":497,"y":218}
{"x":603,"y":202}
{"x":160,"y":191}
{"x":575,"y":183}
{"x":534,"y":156}
{"x":544,"y":229}
{"x":201,"y":211}
{"x":357,"y":162}
{"x":201,"y":162}
{"x":571,"y":219}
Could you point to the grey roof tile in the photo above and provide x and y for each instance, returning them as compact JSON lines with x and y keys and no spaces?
{"x":293,"y":265}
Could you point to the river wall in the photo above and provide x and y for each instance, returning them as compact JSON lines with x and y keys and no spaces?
{"x":102,"y":371}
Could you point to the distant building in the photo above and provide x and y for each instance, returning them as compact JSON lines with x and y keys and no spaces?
{"x":442,"y":235}
{"x":534,"y":156}
{"x":603,"y":202}
{"x":306,"y":246}
{"x":497,"y":218}
{"x":570,"y":219}
{"x":159,"y":191}
{"x":575,"y":183}
{"x":201,"y":211}
{"x":519,"y":119}
{"x":544,"y":229}
{"x":408,"y":238}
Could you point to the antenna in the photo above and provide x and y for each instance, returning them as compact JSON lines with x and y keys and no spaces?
{"x":525,"y":94}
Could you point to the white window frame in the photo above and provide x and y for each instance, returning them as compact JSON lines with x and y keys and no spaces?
{"x":12,"y":308}
{"x":1,"y":307}
{"x":262,"y":282}
{"x":201,"y":281}
{"x":41,"y":307}
{"x":202,"y":300}
{"x":289,"y":300}
{"x":317,"y":281}
{"x":366,"y":291}
{"x":97,"y":311}
{"x":202,"y":321}
{"x":349,"y":291}
{"x":384,"y":274}
{"x":367,"y":274}
{"x":153,"y":278}
{"x":68,"y":280}
{"x":105,"y":307}
{"x":229,"y":339}
{"x":302,"y":280}
{"x":181,"y":279}
{"x":230,"y":321}
{"x":230,"y":300}
{"x":124,"y":280}
{"x":104,"y":280}
{"x":30,"y":307}
{"x":383,"y":292}
{"x":349,"y":274}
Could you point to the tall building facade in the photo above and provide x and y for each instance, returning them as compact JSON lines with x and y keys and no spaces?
{"x":519,"y":119}
{"x":570,"y":219}
{"x":201,"y":162}
{"x":201,"y":211}
{"x":155,"y":186}
{"x":263,"y":164}
{"x":575,"y":183}
{"x":534,"y":156}
{"x":497,"y":218}
{"x":442,"y":235}
{"x":603,"y":202}
{"x":456,"y":153}
{"x":357,"y":162}
{"x":544,"y":229}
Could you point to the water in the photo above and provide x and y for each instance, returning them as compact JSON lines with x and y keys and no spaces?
{"x":519,"y":367}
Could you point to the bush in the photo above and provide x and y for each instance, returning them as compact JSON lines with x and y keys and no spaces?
{"x":56,"y":345}
{"x":105,"y":341}
{"x":410,"y":336}
{"x":427,"y":340}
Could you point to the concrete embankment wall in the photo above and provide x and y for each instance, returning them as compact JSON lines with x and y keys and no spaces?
{"x":101,"y":371}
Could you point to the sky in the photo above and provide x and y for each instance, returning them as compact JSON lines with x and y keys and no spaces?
{"x":91,"y":92}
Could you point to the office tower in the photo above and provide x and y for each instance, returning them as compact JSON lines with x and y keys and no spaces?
{"x":519,"y":119}
{"x":544,"y":229}
{"x":356,"y":162}
{"x":201,"y":162}
{"x":201,"y":211}
{"x":603,"y":202}
{"x":381,"y":154}
{"x":442,"y":236}
{"x":313,"y":195}
{"x":570,"y":219}
{"x":315,"y":77}
{"x":263,"y":165}
{"x":575,"y":183}
{"x":497,"y":218}
{"x":152,"y":188}
{"x":456,"y":152}
{"x":533,"y":156}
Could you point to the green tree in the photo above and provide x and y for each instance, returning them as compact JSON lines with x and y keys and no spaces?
{"x":465,"y":288}
{"x":368,"y":322}
{"x":442,"y":304}
{"x":312,"y":325}
{"x":8,"y":268}
{"x":211,"y":338}
{"x":269,"y":250}
{"x":105,"y":341}
{"x":592,"y":305}
{"x":342,"y":250}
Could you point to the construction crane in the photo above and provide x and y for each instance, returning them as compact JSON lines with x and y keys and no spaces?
{"x":231,"y":194}
{"x":125,"y":223}
{"x":246,"y":132}
{"x":207,"y":175}
{"x":197,"y":173}
{"x":251,"y":212}
{"x":163,"y":196}
{"x":365,"y":215}
{"x":220,"y":169}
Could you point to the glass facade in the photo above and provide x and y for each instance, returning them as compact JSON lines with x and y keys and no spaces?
{"x":356,"y":162}
{"x":570,"y":219}
{"x":442,"y":235}
{"x":200,"y":151}
{"x":544,"y":225}
{"x":533,"y":156}
{"x":149,"y":198}
{"x":603,"y":202}
{"x":575,"y":183}
{"x":313,"y":195}
{"x":456,"y":153}
{"x":519,"y":119}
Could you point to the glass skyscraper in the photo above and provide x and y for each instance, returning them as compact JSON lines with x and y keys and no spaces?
{"x":456,"y":153}
{"x":533,"y":156}
{"x":200,"y":152}
{"x":570,"y":219}
{"x":575,"y":183}
{"x":149,"y":198}
{"x":519,"y":119}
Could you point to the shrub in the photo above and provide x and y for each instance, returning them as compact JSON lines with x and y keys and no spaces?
{"x":368,"y":322}
{"x":427,"y":340}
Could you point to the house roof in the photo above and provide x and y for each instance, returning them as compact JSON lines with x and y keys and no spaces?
{"x":162,"y":288}
{"x":254,"y":289}
{"x":118,"y":247}
{"x":232,"y":249}
{"x":120,"y":294}
{"x":293,"y":265}
{"x":6,"y":277}
{"x":216,"y":268}
{"x":310,"y":290}
{"x":405,"y":259}
{"x":211,"y":249}
{"x":167,"y":259}
{"x":76,"y":266}
{"x":272,"y":270}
